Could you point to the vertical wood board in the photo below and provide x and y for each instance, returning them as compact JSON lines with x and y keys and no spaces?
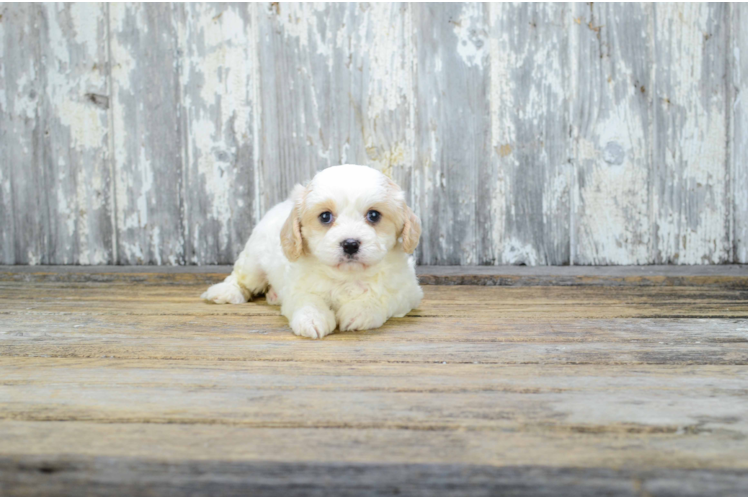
{"x":530,"y":130}
{"x":148,"y":133}
{"x":690,"y":184}
{"x":738,"y":57}
{"x":7,"y":211}
{"x":218,"y":77}
{"x":335,"y":88}
{"x":24,"y":204}
{"x":75,"y":146}
{"x":611,"y":124}
{"x":452,"y":129}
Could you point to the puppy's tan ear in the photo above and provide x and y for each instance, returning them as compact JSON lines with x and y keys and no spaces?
{"x":411,"y":230}
{"x":291,"y":239}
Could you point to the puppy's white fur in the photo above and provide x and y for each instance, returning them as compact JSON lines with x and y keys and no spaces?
{"x":300,"y":263}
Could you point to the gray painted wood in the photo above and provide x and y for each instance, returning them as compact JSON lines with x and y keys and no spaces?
{"x":219,"y":104}
{"x":6,"y":202}
{"x":739,"y":153}
{"x":293,"y":121}
{"x":148,"y":133}
{"x":690,"y":188}
{"x":611,"y":117}
{"x":530,"y":87}
{"x":25,"y":195}
{"x":522,"y":134}
{"x":55,"y":195}
{"x":335,"y":88}
{"x":453,"y":128}
{"x":74,"y":113}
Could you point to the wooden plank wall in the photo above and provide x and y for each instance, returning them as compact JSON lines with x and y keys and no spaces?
{"x":538,"y":134}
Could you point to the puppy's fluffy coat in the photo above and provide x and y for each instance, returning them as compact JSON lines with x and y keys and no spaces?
{"x":335,"y":254}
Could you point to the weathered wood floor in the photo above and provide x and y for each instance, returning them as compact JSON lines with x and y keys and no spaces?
{"x":126,"y":383}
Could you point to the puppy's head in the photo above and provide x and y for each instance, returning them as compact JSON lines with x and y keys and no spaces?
{"x":349,"y":217}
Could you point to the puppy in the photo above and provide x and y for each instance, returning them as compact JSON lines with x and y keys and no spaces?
{"x":335,"y":254}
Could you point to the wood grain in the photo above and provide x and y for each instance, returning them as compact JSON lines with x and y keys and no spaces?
{"x":346,"y":93}
{"x":612,"y":133}
{"x":7,"y":247}
{"x":522,"y":134}
{"x":75,"y":148}
{"x":539,"y":325}
{"x":530,"y":120}
{"x":137,"y":387}
{"x":121,"y":476}
{"x":452,"y":88}
{"x":24,"y":179}
{"x":690,"y":182}
{"x":376,"y":396}
{"x":738,"y":90}
{"x":148,"y":133}
{"x":723,"y":276}
{"x":218,"y":76}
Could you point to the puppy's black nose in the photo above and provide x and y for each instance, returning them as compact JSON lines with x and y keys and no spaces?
{"x":350,"y":246}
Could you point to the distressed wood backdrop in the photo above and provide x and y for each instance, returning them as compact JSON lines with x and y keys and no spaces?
{"x":536,"y":133}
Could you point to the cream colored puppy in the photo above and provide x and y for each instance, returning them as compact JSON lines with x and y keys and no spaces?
{"x":335,"y":254}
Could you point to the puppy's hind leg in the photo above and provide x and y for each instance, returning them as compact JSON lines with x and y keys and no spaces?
{"x":239,"y":287}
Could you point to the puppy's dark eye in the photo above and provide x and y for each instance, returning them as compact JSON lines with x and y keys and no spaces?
{"x":373,"y":216}
{"x":325,"y":217}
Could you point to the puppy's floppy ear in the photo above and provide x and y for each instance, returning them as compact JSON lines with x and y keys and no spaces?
{"x":411,"y":223}
{"x":411,"y":230}
{"x":291,"y":240}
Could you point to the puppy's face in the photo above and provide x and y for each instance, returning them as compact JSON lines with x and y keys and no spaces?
{"x":349,"y":217}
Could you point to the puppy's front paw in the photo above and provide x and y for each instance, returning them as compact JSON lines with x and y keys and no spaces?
{"x":354,"y":316}
{"x":312,"y":322}
{"x":225,"y":293}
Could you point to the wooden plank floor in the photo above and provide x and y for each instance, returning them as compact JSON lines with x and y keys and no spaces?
{"x":134,"y":386}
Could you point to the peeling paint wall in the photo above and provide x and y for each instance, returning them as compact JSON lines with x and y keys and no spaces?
{"x":530,"y":134}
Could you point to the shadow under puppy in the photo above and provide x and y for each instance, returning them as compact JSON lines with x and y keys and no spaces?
{"x":337,"y":253}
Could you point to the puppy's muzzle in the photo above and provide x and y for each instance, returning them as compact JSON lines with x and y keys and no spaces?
{"x":350,"y":246}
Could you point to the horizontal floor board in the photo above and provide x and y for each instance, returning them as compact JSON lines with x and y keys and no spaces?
{"x":379,"y":351}
{"x":469,"y":338}
{"x":440,"y":301}
{"x":424,"y":377}
{"x":66,"y":475}
{"x":719,"y":276}
{"x":484,"y":446}
{"x":74,"y":327}
{"x":380,"y":397}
